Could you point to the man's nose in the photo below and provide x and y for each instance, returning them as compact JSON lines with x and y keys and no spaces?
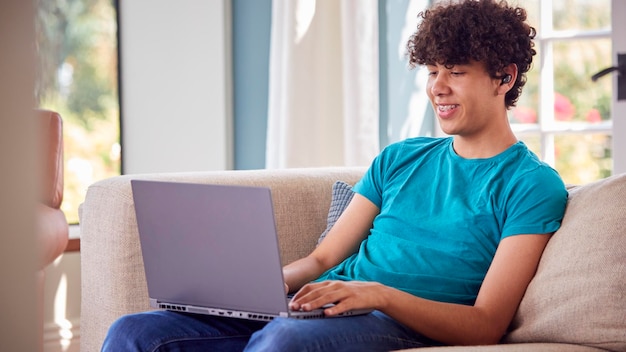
{"x":439,"y":85}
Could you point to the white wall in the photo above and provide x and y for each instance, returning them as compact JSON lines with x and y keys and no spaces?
{"x":176,"y":85}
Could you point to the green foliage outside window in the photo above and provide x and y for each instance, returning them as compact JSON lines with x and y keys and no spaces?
{"x":77,"y":77}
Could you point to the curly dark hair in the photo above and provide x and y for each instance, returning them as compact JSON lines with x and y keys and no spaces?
{"x":488,"y":31}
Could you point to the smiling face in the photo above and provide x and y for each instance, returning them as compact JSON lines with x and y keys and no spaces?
{"x":467,"y":101}
{"x":491,"y":32}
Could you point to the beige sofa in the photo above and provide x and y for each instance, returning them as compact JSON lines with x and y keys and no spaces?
{"x":576,"y":302}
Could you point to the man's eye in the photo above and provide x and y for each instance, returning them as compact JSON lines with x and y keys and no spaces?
{"x":432,"y":73}
{"x":456,"y":73}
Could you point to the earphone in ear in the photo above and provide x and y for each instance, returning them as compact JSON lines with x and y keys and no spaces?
{"x":506,"y":79}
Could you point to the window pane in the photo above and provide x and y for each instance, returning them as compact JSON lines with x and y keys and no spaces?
{"x":581,"y":14}
{"x":526,"y":110}
{"x":532,"y":11}
{"x":77,"y":47}
{"x":582,"y":158}
{"x":577,"y":98}
{"x":533,"y":142}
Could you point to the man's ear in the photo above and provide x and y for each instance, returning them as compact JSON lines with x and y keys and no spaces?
{"x":509,"y":76}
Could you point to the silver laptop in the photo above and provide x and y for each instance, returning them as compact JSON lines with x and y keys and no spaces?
{"x":212,"y":249}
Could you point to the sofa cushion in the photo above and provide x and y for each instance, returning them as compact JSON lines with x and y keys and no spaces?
{"x":578,"y":294}
{"x":341,"y":197}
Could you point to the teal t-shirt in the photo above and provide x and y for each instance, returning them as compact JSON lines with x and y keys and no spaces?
{"x":442,"y":216}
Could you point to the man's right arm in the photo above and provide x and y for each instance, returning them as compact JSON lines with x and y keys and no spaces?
{"x":343,"y":240}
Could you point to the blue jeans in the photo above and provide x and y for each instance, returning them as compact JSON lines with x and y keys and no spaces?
{"x":171,"y":331}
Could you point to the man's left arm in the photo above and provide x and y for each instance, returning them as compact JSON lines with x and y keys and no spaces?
{"x":485,"y":322}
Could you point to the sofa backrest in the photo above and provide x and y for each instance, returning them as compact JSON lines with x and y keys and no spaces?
{"x":578,"y":295}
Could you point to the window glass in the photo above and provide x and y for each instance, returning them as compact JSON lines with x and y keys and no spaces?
{"x":583,"y":158}
{"x":577,"y":98}
{"x":532,"y":141}
{"x":532,"y":11}
{"x":581,"y":14}
{"x":526,"y":110}
{"x":77,"y":77}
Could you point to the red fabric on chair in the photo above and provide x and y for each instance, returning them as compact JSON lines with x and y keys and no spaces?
{"x":52,"y":229}
{"x":52,"y":226}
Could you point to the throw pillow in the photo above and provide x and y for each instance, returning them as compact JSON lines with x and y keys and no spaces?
{"x":578,"y":294}
{"x":341,"y":196}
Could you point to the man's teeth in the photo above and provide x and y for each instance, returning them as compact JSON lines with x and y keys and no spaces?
{"x":446,"y":107}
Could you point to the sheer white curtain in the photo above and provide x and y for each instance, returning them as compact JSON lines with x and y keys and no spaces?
{"x":323,"y":95}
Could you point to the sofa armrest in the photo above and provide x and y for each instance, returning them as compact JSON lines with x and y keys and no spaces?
{"x":112,"y":276}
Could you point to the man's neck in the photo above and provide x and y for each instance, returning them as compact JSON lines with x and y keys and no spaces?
{"x":484,"y":147}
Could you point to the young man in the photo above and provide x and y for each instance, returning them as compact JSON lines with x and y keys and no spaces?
{"x":442,"y":236}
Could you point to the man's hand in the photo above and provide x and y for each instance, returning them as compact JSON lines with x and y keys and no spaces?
{"x":345,"y":296}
